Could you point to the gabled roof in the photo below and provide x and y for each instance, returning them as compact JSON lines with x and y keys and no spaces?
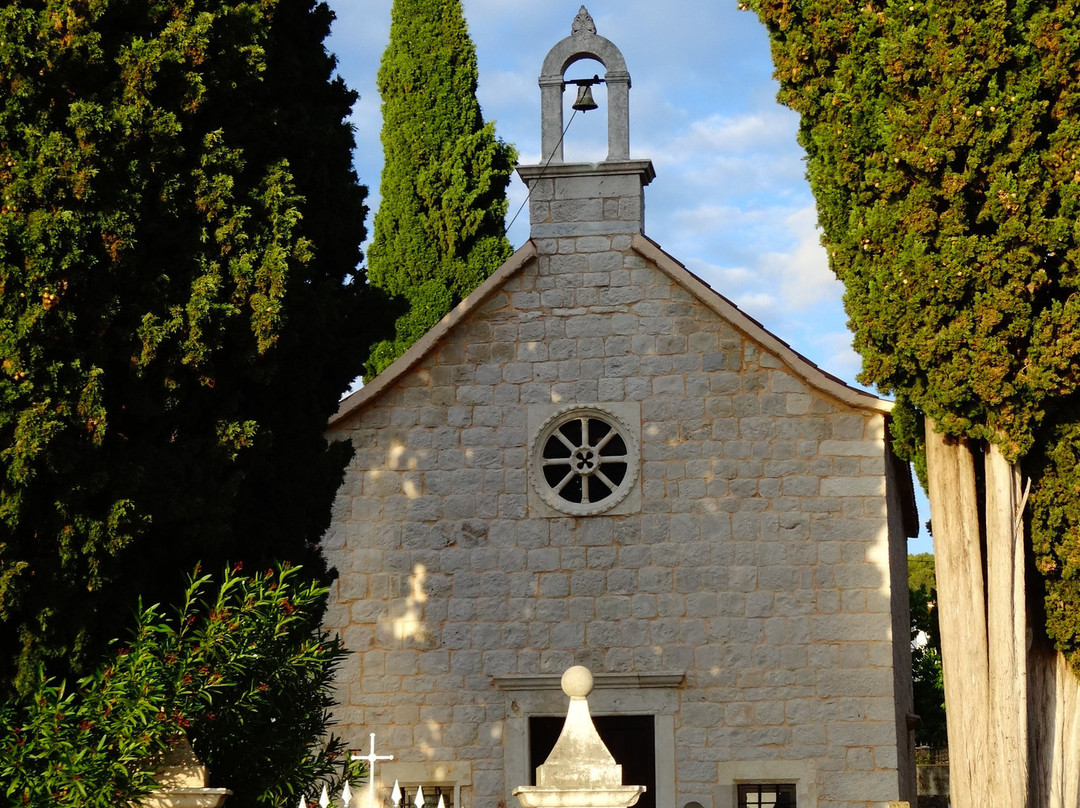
{"x":795,"y":362}
{"x":419,"y":349}
{"x":728,"y":311}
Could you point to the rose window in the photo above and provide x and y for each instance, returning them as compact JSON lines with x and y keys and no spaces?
{"x":584,"y":461}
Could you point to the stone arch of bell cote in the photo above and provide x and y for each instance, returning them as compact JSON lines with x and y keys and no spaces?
{"x":584,"y":43}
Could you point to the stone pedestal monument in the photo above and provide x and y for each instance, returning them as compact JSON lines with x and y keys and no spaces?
{"x":580,"y":771}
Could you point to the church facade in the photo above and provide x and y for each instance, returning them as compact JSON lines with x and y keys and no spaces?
{"x":598,"y":460}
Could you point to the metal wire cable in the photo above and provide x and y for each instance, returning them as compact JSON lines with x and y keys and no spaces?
{"x":550,"y":156}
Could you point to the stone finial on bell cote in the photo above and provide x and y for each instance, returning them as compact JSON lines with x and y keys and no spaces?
{"x":583,"y":23}
{"x":572,"y":199}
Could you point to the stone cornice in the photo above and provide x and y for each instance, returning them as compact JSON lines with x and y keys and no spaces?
{"x":557,"y":169}
{"x":601,"y":681}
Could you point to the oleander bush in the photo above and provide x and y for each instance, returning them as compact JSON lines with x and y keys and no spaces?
{"x":242,"y":669}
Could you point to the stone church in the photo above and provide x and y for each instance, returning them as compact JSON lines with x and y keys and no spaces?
{"x":598,"y":460}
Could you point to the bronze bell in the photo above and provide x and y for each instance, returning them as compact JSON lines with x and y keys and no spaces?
{"x":584,"y":101}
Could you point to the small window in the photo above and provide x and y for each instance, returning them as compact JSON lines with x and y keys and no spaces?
{"x":629,"y":738}
{"x":767,"y":795}
{"x":584,"y":461}
{"x":431,"y":794}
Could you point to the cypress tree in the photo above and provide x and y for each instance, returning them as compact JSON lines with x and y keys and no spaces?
{"x":439,"y":229}
{"x":943,"y":147}
{"x":179,"y":303}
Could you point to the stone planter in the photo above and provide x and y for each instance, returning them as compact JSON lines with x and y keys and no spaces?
{"x":183,"y":782}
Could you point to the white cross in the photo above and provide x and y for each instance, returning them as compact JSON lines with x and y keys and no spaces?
{"x":371,"y":759}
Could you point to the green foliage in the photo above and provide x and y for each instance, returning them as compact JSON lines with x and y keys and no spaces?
{"x":943,"y":147}
{"x":243,"y":670}
{"x":926,"y":674}
{"x":921,"y":573}
{"x":179,"y":303}
{"x":1055,"y":536}
{"x":439,"y":229}
{"x":928,"y":683}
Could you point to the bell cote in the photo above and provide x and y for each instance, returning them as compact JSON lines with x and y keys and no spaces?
{"x":570,"y":199}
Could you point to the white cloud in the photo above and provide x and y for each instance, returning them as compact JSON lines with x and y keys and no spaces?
{"x":757,"y":304}
{"x":738,"y":134}
{"x":842,"y":359}
{"x":732,"y":277}
{"x":803,"y":272}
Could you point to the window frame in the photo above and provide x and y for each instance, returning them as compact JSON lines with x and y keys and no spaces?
{"x":742,"y":789}
{"x":446,"y":775}
{"x":802,"y":774}
{"x":613,"y":694}
{"x":431,"y":799}
{"x":624,"y":417}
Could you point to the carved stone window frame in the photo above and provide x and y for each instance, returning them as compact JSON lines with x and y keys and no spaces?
{"x":624,"y":418}
{"x":655,"y":694}
{"x":800,"y":773}
{"x":448,"y":775}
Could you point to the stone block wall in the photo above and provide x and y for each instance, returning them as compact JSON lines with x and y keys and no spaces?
{"x":753,"y":557}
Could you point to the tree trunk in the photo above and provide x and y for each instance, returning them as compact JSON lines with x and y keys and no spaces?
{"x":954,"y":513}
{"x":1053,"y":704}
{"x":1007,"y":629}
{"x":1014,"y":725}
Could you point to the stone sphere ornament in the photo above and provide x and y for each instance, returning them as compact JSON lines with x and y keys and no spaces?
{"x":577,"y":682}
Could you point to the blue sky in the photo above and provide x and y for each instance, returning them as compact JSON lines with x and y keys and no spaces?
{"x":730,"y":199}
